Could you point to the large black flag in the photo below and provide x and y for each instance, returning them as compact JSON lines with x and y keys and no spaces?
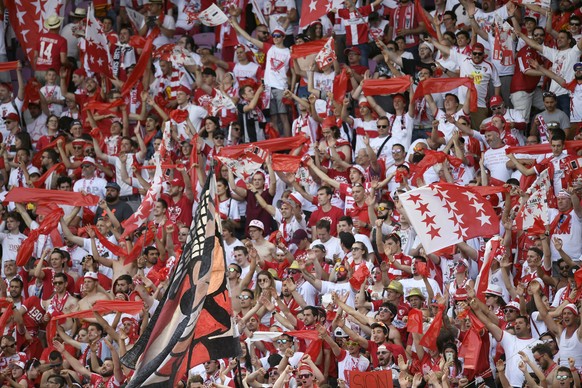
{"x":193,"y":322}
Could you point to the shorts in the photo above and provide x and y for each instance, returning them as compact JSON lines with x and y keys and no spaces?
{"x":277,"y":106}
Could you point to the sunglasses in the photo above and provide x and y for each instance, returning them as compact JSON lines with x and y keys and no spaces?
{"x":539,"y":35}
{"x":383,"y":310}
{"x":293,"y":271}
{"x":341,"y":269}
{"x":219,"y":138}
{"x":575,"y":24}
{"x":58,"y":283}
{"x":356,"y":249}
{"x":305,"y":376}
{"x":478,"y":53}
{"x":382,"y":352}
{"x":396,"y":151}
{"x":382,"y":126}
{"x":232,"y":270}
{"x":382,"y":208}
{"x":273,"y":373}
{"x":548,"y":94}
{"x":276,"y":35}
{"x":244,"y":297}
{"x":562,"y":378}
{"x":351,"y":343}
{"x":282,"y":341}
{"x":86,"y":165}
{"x":509,"y":310}
{"x":7,"y":346}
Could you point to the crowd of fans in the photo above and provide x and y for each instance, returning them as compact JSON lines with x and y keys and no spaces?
{"x":327,"y":249}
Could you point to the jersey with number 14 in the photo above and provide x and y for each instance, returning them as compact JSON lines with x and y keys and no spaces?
{"x":49,"y":49}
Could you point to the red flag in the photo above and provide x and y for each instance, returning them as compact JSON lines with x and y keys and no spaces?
{"x":59,"y":167}
{"x":103,"y":106}
{"x":429,"y":338}
{"x":98,"y":57}
{"x":286,"y":163}
{"x":272,"y":145}
{"x":50,"y":223}
{"x":31,"y":92}
{"x":247,"y":163}
{"x":312,"y":10}
{"x":578,"y":278}
{"x":470,"y":349}
{"x":308,"y":48}
{"x":179,"y":115}
{"x":414,"y":324}
{"x":7,"y":66}
{"x":25,"y":194}
{"x":359,"y":277}
{"x":539,"y":149}
{"x":442,"y":85}
{"x":375,"y":87}
{"x":327,"y":54}
{"x":534,"y":214}
{"x":422,"y":16}
{"x":143,"y":211}
{"x":140,"y":68}
{"x":430,"y":159}
{"x":444,"y":214}
{"x":491,"y":250}
{"x":36,"y":159}
{"x":340,"y":86}
{"x":27,"y":20}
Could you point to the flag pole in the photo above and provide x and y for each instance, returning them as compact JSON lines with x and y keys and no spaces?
{"x":238,"y":373}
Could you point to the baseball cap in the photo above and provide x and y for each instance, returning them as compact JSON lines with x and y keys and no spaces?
{"x":257,"y":224}
{"x":113,"y":185}
{"x":479,"y":46}
{"x":512,"y":305}
{"x":490,"y":128}
{"x":177,"y":182}
{"x":88,"y":160}
{"x":298,"y":236}
{"x":495,"y":101}
{"x":353,"y":50}
{"x":359,"y":168}
{"x":279,"y":30}
{"x":11,"y":116}
{"x":578,"y":66}
{"x":494,"y":289}
{"x":91,"y":275}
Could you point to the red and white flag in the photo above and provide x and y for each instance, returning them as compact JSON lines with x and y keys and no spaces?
{"x":503,"y":44}
{"x":493,"y":251}
{"x":221,"y":101}
{"x":98,"y":57}
{"x":144,"y":210}
{"x":444,"y":214}
{"x":27,"y":20}
{"x":327,"y":54}
{"x":246,"y":163}
{"x":312,"y":10}
{"x":533,"y":216}
{"x":212,"y":16}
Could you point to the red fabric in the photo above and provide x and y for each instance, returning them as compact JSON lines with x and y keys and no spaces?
{"x":24,"y":194}
{"x":115,"y":249}
{"x":36,"y":159}
{"x":305,"y":49}
{"x":483,"y":279}
{"x":422,"y":269}
{"x":414,"y":324}
{"x":429,"y":338}
{"x":340,"y":86}
{"x":179,"y":115}
{"x":430,"y":159}
{"x":286,"y":163}
{"x":137,"y":42}
{"x":309,"y":15}
{"x":50,"y":222}
{"x":375,"y":87}
{"x":487,"y":190}
{"x":101,"y":306}
{"x":101,"y":106}
{"x":578,"y":277}
{"x":359,"y":276}
{"x":138,"y":247}
{"x":60,"y":167}
{"x":272,"y":145}
{"x":442,"y":85}
{"x":140,"y":68}
{"x":538,"y":149}
{"x":418,"y":10}
{"x":7,"y":66}
{"x":31,"y":92}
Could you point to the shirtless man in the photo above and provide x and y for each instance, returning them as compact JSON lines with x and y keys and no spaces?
{"x":61,"y":302}
{"x":91,"y":291}
{"x":119,"y":267}
{"x":265,"y":249}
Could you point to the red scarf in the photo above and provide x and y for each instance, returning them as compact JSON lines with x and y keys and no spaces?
{"x":562,"y":223}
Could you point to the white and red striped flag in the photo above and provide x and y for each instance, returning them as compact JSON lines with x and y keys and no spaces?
{"x":27,"y":20}
{"x":444,"y":214}
{"x":98,"y":57}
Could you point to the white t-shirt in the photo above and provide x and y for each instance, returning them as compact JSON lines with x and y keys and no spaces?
{"x":563,"y":62}
{"x":495,"y":160}
{"x":482,"y":73}
{"x":277,"y":67}
{"x":512,"y":345}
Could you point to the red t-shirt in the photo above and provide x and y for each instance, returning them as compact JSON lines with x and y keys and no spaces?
{"x":47,"y":283}
{"x":49,"y":48}
{"x":333,"y":216}
{"x":179,"y":212}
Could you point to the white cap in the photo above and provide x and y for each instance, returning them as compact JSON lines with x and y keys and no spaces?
{"x":257,"y":224}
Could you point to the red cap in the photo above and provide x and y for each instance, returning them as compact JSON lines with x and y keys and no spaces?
{"x":329,"y":122}
{"x":80,"y":72}
{"x":490,"y":128}
{"x":183,"y":88}
{"x":353,"y":49}
{"x":11,"y":116}
{"x":495,"y":101}
{"x":178,"y":182}
{"x":479,"y":46}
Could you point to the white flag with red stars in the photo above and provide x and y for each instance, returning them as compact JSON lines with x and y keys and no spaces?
{"x":245,"y":163}
{"x":97,"y":58}
{"x":533,"y":216}
{"x":444,"y":214}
